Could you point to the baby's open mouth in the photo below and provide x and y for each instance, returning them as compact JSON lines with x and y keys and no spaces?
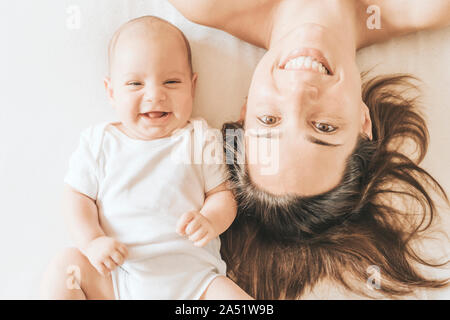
{"x":155,"y":114}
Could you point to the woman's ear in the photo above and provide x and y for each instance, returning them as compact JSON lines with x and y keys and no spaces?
{"x":243,"y":111}
{"x":194,"y":84}
{"x":109,"y":89}
{"x":366,"y":122}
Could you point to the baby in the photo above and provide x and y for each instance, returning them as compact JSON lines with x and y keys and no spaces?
{"x":146,"y":226}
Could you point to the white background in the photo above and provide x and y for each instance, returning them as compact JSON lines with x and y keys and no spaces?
{"x":51,"y":87}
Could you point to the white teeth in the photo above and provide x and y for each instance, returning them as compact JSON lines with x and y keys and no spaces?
{"x":305,"y":63}
{"x":322,"y":69}
{"x":292,"y":64}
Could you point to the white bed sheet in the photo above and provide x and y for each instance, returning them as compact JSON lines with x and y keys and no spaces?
{"x":52,"y":88}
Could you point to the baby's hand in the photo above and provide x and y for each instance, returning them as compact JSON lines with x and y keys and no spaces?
{"x":197,"y":227}
{"x":105,"y":254}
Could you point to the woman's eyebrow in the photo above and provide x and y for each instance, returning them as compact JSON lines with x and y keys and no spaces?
{"x":312,"y":139}
{"x":264,"y":133}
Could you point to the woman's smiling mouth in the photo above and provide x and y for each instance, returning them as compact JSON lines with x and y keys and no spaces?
{"x":307,"y":59}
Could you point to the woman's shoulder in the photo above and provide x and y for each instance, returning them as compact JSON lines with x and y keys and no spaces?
{"x":433,"y":248}
{"x":247,"y":20}
{"x":330,"y":290}
{"x":381,"y":20}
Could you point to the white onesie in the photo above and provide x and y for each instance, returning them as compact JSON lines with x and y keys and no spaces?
{"x":141,"y":189}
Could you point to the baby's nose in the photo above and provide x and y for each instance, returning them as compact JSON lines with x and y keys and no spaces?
{"x":154,"y":94}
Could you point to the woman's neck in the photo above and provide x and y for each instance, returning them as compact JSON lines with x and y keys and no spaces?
{"x":333,"y":14}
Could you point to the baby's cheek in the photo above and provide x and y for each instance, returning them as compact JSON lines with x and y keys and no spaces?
{"x":185,"y":107}
{"x":129,"y":106}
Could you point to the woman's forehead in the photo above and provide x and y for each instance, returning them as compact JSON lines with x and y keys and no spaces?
{"x":296,"y":167}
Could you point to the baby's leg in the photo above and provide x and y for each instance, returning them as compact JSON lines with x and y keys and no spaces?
{"x":71,"y":276}
{"x":223,"y":288}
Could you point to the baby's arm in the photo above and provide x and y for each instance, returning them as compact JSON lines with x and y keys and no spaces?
{"x":82,"y":217}
{"x":216,"y":216}
{"x":103,"y":252}
{"x":220,"y":208}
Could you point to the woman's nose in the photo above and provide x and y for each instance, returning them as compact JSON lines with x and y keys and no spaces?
{"x":302,"y":86}
{"x":299,"y":97}
{"x":305,"y":92}
{"x":154,"y":94}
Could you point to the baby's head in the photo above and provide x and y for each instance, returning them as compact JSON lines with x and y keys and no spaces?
{"x":151,"y":83}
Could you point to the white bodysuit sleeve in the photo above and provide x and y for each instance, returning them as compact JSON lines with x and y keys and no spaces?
{"x":213,"y":165}
{"x":83,"y":166}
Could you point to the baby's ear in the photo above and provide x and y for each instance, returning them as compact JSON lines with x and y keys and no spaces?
{"x":109,"y":89}
{"x":194,"y":83}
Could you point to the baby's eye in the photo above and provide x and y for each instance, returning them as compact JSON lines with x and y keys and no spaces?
{"x":268,"y":120}
{"x":324,"y":127}
{"x":172,"y":81}
{"x":135,"y":83}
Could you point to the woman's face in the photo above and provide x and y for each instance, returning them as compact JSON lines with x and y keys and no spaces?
{"x":313,"y":116}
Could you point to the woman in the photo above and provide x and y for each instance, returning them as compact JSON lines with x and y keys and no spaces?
{"x":344,"y":198}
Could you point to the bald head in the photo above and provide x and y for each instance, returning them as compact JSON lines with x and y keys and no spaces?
{"x":147,"y":25}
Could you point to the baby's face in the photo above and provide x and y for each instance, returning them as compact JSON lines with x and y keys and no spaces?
{"x":151,"y":84}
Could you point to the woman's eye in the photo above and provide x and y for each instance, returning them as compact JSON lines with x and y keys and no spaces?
{"x":268,"y":120}
{"x":324,"y":127}
{"x":134,"y":83}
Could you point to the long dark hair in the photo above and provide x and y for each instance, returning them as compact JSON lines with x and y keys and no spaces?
{"x":279,"y":246}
